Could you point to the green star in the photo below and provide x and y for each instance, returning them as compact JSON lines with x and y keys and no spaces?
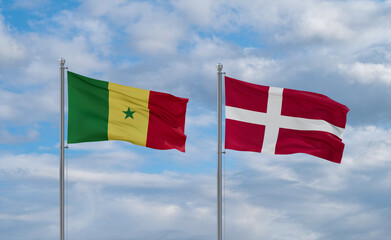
{"x":129,"y":113}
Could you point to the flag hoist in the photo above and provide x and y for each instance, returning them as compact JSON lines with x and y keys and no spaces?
{"x":62,"y":146}
{"x":219,"y":151}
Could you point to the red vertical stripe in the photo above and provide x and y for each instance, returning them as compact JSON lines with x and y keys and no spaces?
{"x":166,"y":127}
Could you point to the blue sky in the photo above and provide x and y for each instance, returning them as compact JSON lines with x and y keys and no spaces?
{"x":121,"y":191}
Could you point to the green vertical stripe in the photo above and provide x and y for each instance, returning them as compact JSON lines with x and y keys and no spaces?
{"x":88,"y":109}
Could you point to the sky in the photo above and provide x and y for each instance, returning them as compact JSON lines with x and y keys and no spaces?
{"x":117,"y":190}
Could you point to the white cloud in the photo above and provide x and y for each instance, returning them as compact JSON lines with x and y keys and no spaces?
{"x":93,"y":30}
{"x":386,"y":182}
{"x":88,"y":169}
{"x":210,"y":15}
{"x":11,"y":49}
{"x":323,"y":21}
{"x":30,"y":165}
{"x":152,"y":29}
{"x":367,"y":147}
{"x":171,"y":216}
{"x":255,"y":222}
{"x":29,"y":4}
{"x":97,"y":146}
{"x":46,"y":218}
{"x":352,"y":24}
{"x":77,"y":52}
{"x":8,"y":138}
{"x":42,"y":68}
{"x":204,"y":14}
{"x":119,"y":190}
{"x":135,"y":180}
{"x":42,"y":216}
{"x":26,"y":108}
{"x":202,"y":120}
{"x":156,"y":34}
{"x":271,"y":197}
{"x":254,"y":69}
{"x":367,"y":73}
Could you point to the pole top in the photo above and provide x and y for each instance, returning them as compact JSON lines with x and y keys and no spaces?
{"x":219,"y":67}
{"x":62,"y":61}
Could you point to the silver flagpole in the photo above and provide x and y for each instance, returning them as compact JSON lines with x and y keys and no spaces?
{"x":219,"y":153}
{"x":62,"y":62}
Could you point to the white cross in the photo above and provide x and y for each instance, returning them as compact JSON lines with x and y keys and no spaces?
{"x":273,"y":120}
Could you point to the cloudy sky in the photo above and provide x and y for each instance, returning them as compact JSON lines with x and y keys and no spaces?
{"x":118,"y":191}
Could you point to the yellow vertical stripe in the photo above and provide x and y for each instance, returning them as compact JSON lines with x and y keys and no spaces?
{"x":134,"y":101}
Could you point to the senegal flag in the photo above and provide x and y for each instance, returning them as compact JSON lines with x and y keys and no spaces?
{"x":100,"y":111}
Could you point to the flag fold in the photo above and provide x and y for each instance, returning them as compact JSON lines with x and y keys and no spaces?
{"x":283,"y":121}
{"x":100,"y":111}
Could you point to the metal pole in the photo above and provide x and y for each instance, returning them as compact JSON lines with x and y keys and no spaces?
{"x":219,"y":153}
{"x":62,"y":62}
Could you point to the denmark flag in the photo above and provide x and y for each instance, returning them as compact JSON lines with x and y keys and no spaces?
{"x":282,"y":121}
